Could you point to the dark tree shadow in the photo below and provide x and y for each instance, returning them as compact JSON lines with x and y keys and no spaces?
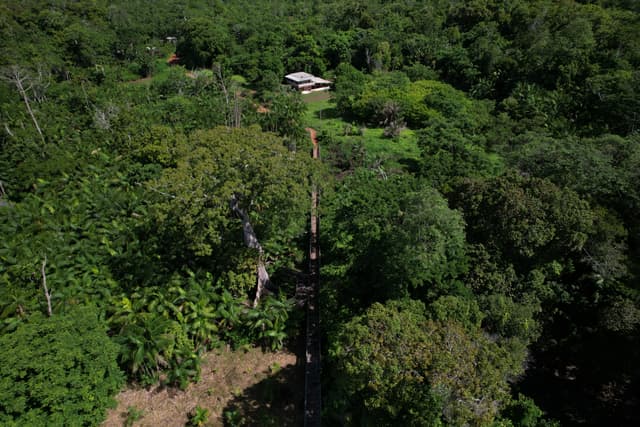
{"x":278,"y":400}
{"x":411,"y":165}
{"x":591,"y":379}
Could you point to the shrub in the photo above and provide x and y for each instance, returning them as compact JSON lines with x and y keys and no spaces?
{"x":198,"y":417}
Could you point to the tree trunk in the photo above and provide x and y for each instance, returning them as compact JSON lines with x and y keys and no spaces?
{"x":251,"y":241}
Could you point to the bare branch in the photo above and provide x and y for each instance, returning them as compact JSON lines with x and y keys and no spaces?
{"x":250,"y":238}
{"x":18,"y":78}
{"x":218,"y":72}
{"x":6,"y":128}
{"x":47,"y":294}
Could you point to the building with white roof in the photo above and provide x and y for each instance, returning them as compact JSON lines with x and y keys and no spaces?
{"x":306,"y":82}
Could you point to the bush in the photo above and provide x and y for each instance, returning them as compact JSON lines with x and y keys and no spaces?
{"x":58,"y":371}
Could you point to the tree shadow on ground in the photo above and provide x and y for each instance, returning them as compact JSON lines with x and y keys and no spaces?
{"x":278,"y":400}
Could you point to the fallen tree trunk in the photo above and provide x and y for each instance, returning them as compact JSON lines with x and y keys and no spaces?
{"x":251,"y":241}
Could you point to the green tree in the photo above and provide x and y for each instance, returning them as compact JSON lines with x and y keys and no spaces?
{"x":389,"y":237}
{"x":392,"y":365}
{"x":524,"y":412}
{"x":285,"y":115}
{"x":227,"y":180}
{"x":525,"y":218}
{"x":203,"y":41}
{"x":58,"y":370}
{"x":348,"y":87}
{"x":447,"y":154}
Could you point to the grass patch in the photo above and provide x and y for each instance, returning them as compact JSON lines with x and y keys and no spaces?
{"x":391,"y":153}
{"x":161,"y":68}
{"x":403,"y":147}
{"x":314,"y":97}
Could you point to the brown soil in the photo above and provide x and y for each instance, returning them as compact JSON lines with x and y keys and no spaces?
{"x":253,"y":387}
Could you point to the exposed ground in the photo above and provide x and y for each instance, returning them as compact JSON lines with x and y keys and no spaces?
{"x":239,"y":387}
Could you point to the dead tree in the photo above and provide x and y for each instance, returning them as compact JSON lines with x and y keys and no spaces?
{"x":251,"y":241}
{"x":22,"y":81}
{"x":233,"y":111}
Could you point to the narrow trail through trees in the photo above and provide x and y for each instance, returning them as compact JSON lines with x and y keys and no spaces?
{"x":312,"y":386}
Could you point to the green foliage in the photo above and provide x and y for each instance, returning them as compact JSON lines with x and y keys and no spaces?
{"x":510,"y":319}
{"x":145,"y":341}
{"x":525,"y":218}
{"x":202,"y":42}
{"x":126,"y":194}
{"x":379,"y":363}
{"x":614,"y":100}
{"x":223,"y":163}
{"x":392,"y":236}
{"x":133,"y":414}
{"x":78,"y":223}
{"x":59,"y":370}
{"x":84,"y":45}
{"x":166,"y":329}
{"x":621,"y":315}
{"x":233,"y":417}
{"x":598,"y":168}
{"x":348,"y":88}
{"x":377,"y":92}
{"x":198,"y":417}
{"x":266,"y":323}
{"x":447,"y":154}
{"x":393,"y":365}
{"x":456,"y":309}
{"x":525,"y":413}
{"x":285,"y":111}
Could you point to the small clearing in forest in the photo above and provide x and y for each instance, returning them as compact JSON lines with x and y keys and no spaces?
{"x":242,"y":387}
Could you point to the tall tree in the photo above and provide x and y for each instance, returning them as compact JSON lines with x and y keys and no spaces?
{"x":229,"y":177}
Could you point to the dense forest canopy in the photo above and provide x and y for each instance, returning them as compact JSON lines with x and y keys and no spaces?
{"x":480,"y":228}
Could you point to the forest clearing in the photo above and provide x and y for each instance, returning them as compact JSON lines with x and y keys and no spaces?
{"x":249,"y":387}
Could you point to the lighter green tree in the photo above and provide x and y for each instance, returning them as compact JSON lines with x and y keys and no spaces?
{"x":235,"y":179}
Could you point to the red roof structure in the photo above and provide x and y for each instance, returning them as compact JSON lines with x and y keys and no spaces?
{"x":173,"y":59}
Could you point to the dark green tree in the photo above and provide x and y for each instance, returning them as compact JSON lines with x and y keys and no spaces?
{"x":58,"y":370}
{"x":203,"y":41}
